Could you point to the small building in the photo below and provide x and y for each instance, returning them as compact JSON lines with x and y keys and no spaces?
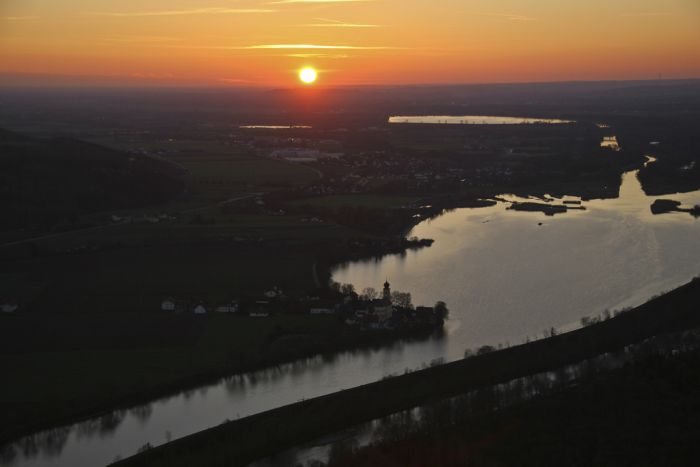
{"x":259,"y":314}
{"x":383,"y":312}
{"x":228,"y":308}
{"x":386,"y":293}
{"x":9,"y":307}
{"x":321,"y":311}
{"x":200,"y":309}
{"x":168,"y":305}
{"x":275,"y":292}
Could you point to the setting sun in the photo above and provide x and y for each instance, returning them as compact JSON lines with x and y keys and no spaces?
{"x":307,"y":75}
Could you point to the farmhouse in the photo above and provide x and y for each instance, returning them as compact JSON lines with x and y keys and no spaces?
{"x":228,"y":308}
{"x":9,"y":307}
{"x":322,"y":311}
{"x":168,"y":305}
{"x":275,"y":292}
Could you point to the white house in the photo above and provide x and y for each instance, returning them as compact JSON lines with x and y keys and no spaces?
{"x":229,"y":308}
{"x":200,"y":309}
{"x":9,"y":307}
{"x":321,"y":311}
{"x":360,"y":313}
{"x":274,"y":293}
{"x":168,"y":305}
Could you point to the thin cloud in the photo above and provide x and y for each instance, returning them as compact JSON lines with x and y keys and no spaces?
{"x":142,"y":39}
{"x":20,"y":18}
{"x":645,"y":14}
{"x":316,"y":46}
{"x":317,"y":55}
{"x":508,"y":16}
{"x":334,"y":23}
{"x":192,"y":11}
{"x":235,"y":80}
{"x":284,"y":2}
{"x":150,"y":75}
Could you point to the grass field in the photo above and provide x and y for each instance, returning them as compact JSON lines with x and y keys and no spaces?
{"x":217,"y":167}
{"x":139,"y":278}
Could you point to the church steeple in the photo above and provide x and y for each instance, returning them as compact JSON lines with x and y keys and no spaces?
{"x":387,"y":291}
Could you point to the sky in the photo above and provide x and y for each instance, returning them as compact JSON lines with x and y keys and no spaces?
{"x":264,"y":43}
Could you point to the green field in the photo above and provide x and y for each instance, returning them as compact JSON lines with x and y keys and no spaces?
{"x":132,"y":267}
{"x":243,"y":175}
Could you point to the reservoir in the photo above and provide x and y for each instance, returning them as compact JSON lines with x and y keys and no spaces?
{"x":506,"y":276}
{"x":473,"y":120}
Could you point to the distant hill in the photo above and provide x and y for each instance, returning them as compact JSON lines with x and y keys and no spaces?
{"x":47,"y":183}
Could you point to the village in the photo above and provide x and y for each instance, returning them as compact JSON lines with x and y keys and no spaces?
{"x":369,"y":310}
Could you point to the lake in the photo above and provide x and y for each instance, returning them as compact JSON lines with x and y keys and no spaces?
{"x":275,"y":127}
{"x":505,"y":278}
{"x":473,"y":120}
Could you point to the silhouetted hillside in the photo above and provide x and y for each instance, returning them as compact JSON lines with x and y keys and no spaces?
{"x":47,"y":184}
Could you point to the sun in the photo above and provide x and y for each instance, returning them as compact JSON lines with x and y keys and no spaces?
{"x":307,"y":75}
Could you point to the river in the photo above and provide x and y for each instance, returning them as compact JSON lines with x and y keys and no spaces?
{"x":505,"y":275}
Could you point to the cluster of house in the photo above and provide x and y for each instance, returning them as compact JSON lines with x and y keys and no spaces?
{"x":259,"y":309}
{"x":382,"y":313}
{"x":364,"y":312}
{"x":146,"y":218}
{"x":304,"y":155}
{"x":197,"y":307}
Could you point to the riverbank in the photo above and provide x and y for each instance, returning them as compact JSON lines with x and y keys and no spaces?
{"x":590,"y":414}
{"x":135,"y":358}
{"x":257,"y":436}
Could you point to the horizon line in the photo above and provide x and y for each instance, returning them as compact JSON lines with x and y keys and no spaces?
{"x":242,"y":85}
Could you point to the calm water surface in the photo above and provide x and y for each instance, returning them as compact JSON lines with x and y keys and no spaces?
{"x":472,"y":120}
{"x":503,"y":276}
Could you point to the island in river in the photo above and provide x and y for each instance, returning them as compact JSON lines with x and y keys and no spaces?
{"x":662,"y":206}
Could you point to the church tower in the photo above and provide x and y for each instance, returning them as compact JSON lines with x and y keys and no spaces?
{"x":386,"y":295}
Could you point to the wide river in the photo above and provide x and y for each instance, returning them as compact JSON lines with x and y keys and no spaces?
{"x":504,"y":277}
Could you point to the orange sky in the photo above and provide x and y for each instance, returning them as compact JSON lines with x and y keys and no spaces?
{"x":254,"y":42}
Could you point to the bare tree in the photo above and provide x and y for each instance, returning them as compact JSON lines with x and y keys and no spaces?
{"x":369,"y":293}
{"x":401,"y":299}
{"x":347,"y":289}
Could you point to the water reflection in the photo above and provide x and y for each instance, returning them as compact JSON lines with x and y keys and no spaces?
{"x":451,"y":411}
{"x":506,"y":275}
{"x":49,"y":443}
{"x":275,"y":127}
{"x":142,"y":413}
{"x":473,"y":120}
{"x":121,"y":433}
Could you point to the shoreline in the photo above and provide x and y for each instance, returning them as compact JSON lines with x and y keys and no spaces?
{"x":241,"y":441}
{"x":371,"y":340}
